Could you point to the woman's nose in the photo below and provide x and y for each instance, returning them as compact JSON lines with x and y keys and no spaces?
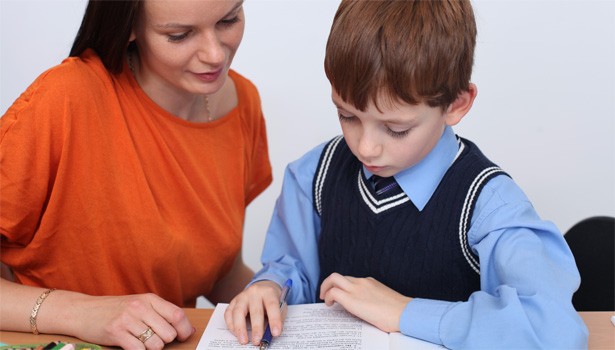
{"x":212,"y":50}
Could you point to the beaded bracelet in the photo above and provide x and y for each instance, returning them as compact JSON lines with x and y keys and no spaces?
{"x":37,"y":305}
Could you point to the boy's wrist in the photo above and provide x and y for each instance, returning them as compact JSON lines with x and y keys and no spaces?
{"x":421,"y":319}
{"x":268,"y":277}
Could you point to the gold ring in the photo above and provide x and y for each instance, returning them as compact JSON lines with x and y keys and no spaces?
{"x":146,"y":335}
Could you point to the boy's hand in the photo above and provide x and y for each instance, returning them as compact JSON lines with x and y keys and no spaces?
{"x":365,"y":298}
{"x":260,"y":298}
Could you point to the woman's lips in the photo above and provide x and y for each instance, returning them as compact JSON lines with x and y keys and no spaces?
{"x":209,"y":76}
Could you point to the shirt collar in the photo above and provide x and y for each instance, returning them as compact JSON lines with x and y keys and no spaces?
{"x":420,"y":181}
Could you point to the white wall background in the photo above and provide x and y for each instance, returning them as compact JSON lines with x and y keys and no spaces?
{"x":545,"y":110}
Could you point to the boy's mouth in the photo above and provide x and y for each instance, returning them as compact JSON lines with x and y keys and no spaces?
{"x":374,"y":169}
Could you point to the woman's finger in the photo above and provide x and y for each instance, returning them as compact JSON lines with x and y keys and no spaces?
{"x":172,"y":323}
{"x":154,"y":343}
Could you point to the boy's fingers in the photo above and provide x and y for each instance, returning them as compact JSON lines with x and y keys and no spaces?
{"x":277,"y":332}
{"x":274,"y":316}
{"x":335,"y":294}
{"x":228,"y":317}
{"x":257,"y":319}
{"x":334,"y":280}
{"x":229,"y":314}
{"x":238,"y":319}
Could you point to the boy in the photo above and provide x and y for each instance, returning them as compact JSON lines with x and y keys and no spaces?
{"x":402,"y":250}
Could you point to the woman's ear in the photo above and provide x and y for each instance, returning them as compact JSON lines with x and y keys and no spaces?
{"x":134,"y":25}
{"x":458,"y":109}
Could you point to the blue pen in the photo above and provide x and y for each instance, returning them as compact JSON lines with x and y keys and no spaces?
{"x":267,"y":336}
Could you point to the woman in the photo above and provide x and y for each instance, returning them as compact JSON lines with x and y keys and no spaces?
{"x":126,"y":171}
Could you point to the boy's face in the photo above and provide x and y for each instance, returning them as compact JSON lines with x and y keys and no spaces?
{"x":391,"y":140}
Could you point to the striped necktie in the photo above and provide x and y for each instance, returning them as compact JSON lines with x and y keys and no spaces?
{"x":383,"y":184}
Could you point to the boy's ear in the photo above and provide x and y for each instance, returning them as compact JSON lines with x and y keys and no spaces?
{"x":461,"y":106}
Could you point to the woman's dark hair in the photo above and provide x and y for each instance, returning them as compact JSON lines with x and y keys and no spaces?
{"x":106,"y":29}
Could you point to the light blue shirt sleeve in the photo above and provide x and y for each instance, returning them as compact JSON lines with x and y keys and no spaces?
{"x":291,"y":243}
{"x":528,"y":274}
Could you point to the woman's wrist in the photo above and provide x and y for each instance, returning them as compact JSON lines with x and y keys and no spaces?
{"x":61,"y":311}
{"x":35,"y":308}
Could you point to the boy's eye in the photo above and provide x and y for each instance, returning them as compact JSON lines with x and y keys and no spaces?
{"x":398,"y":134}
{"x":180,"y":37}
{"x":344,"y":118}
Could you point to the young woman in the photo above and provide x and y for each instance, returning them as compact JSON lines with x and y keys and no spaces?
{"x":126,"y":171}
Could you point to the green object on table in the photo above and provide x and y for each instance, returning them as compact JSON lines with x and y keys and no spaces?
{"x":78,"y":346}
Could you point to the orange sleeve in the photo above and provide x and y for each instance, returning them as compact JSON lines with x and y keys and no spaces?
{"x":259,"y":172}
{"x":33,"y":133}
{"x":30,"y":144}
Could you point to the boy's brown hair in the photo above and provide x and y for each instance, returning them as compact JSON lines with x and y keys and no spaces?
{"x":406,"y":51}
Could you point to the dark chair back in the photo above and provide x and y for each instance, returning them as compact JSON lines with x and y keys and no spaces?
{"x":592,"y":242}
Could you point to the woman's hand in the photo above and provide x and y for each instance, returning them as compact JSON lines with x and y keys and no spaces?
{"x":120,"y":320}
{"x":365,"y":298}
{"x":104,"y":320}
{"x":260,"y":299}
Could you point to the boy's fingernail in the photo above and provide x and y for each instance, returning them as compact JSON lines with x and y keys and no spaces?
{"x":256,"y":339}
{"x":275,"y":332}
{"x":243,"y":339}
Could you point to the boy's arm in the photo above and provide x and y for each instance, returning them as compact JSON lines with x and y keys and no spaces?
{"x":290,"y":251}
{"x":528,"y":276}
{"x":291,"y":244}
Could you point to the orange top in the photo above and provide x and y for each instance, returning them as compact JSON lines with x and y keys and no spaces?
{"x":103,"y":192}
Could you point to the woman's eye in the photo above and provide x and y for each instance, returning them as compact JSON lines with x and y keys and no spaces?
{"x":180,"y":37}
{"x":229,"y":22}
{"x":398,"y":134}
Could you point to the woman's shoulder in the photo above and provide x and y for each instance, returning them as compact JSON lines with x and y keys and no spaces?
{"x":246,"y":90}
{"x":74,"y":83}
{"x":248,"y":99}
{"x":240,"y":80}
{"x":78,"y":72}
{"x":73,"y":76}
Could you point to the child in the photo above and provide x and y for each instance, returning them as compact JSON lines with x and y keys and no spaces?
{"x":448,"y":249}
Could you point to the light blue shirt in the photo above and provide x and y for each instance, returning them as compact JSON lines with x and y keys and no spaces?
{"x":527,"y":272}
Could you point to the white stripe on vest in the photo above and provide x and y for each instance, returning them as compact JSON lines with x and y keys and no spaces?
{"x":322,"y":173}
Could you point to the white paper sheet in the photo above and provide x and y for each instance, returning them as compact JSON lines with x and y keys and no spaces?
{"x":313,"y":326}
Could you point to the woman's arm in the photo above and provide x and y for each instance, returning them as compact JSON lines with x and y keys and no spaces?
{"x":112,"y":320}
{"x":6,"y":272}
{"x":231,"y":284}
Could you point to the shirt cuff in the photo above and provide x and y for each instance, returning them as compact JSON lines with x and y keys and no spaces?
{"x":267,"y":276}
{"x":421,"y":319}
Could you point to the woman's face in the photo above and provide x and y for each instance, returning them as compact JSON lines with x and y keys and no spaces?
{"x":187,"y":46}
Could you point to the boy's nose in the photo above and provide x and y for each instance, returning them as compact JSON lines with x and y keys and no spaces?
{"x":369,"y":148}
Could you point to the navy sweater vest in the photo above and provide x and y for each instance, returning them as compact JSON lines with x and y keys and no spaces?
{"x":420,"y":254}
